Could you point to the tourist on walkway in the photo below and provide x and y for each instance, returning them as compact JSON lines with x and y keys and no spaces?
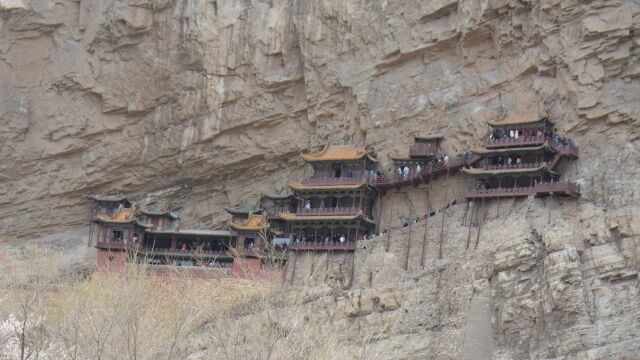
{"x":342,"y":239}
{"x":307,"y":205}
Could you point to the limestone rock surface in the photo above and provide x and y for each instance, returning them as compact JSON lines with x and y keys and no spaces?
{"x":198,"y":104}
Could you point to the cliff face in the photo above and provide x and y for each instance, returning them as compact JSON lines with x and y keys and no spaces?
{"x":197,"y":104}
{"x":202,"y":103}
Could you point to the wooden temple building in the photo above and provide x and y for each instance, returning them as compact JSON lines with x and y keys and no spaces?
{"x":153,"y":236}
{"x":521,"y":158}
{"x":333,"y":206}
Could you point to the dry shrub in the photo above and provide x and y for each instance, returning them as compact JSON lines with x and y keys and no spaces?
{"x":291,"y":323}
{"x":48,"y":313}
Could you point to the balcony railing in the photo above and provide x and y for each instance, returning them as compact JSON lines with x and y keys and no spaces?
{"x":514,"y":166}
{"x":357,"y":178}
{"x":430,"y":169}
{"x":521,"y":141}
{"x":349,"y":245}
{"x":565,"y":188}
{"x":116,"y":245}
{"x":328,"y":211}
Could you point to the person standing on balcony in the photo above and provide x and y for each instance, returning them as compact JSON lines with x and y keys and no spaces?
{"x":405,"y":172}
{"x":349,"y":173}
{"x":342,"y":239}
{"x":307,"y":205}
{"x":418,"y":169}
{"x":446,"y":160}
{"x":322,"y":204}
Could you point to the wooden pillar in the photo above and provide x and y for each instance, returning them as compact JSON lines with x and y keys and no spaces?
{"x":389,"y":225}
{"x":444,"y":212}
{"x":424,"y":242}
{"x":380,"y":199}
{"x":293,"y":270}
{"x":406,"y":263}
{"x":480,"y":220}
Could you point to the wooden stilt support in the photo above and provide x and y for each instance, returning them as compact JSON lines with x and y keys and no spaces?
{"x":406,"y":262}
{"x":480,"y":221}
{"x":293,"y":270}
{"x":353,"y":265}
{"x":313,"y":263}
{"x":466,"y":211}
{"x":91,"y":230}
{"x":380,"y":199}
{"x":353,"y":260}
{"x":473,"y":209}
{"x":424,"y":242}
{"x":386,"y":249}
{"x":498,"y":202}
{"x":549,"y":200}
{"x":444,"y":212}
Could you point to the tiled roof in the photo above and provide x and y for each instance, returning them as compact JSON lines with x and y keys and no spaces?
{"x":518,"y":120}
{"x":109,"y":197}
{"x":540,"y":169}
{"x":121,"y":216}
{"x":543,"y":147}
{"x":246,"y":208}
{"x":283,"y":195}
{"x":428,"y":136}
{"x":254,"y":222}
{"x":194,"y":232}
{"x":338,"y":152}
{"x":296,"y":185}
{"x":158,"y":212}
{"x":294,"y":217}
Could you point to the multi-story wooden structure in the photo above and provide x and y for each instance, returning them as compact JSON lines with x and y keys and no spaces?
{"x":521,"y":158}
{"x":153,"y":236}
{"x":334,"y":205}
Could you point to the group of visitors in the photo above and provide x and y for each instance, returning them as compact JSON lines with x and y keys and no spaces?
{"x":501,"y":134}
{"x":404,"y":172}
{"x":561,"y":140}
{"x":312,"y":238}
{"x":506,"y":160}
{"x":429,"y":214}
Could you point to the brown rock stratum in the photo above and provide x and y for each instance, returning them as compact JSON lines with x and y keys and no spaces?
{"x":197,"y":104}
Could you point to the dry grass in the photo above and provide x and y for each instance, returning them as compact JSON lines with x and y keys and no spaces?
{"x":49,"y":313}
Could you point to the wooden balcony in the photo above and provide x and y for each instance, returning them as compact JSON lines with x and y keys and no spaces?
{"x":323,"y":246}
{"x":513,"y":166}
{"x":357,"y":178}
{"x":112,"y":245}
{"x":540,"y":189}
{"x":328,"y":211}
{"x":120,"y":246}
{"x":512,"y":142}
{"x":426,"y":174}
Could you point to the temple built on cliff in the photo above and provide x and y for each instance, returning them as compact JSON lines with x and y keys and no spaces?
{"x":336,"y":206}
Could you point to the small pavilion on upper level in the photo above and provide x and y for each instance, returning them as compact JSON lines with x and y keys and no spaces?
{"x":108,"y":203}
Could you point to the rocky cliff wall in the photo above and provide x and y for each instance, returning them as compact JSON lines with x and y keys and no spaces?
{"x":198,"y":104}
{"x":203,"y":103}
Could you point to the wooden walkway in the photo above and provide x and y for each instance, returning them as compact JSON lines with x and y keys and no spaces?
{"x":540,"y":189}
